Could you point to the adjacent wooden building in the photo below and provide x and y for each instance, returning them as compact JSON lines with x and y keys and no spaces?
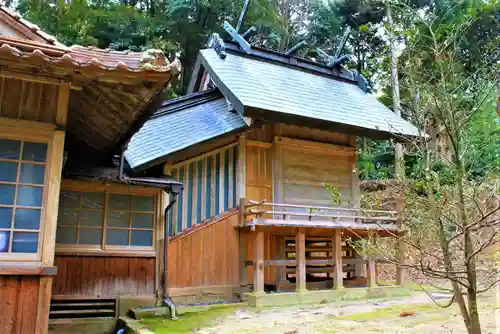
{"x":82,"y":233}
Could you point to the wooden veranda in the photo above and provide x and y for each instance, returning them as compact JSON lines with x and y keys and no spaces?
{"x":326,"y":229}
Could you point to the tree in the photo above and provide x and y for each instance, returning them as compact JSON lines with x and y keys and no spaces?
{"x":450,"y":222}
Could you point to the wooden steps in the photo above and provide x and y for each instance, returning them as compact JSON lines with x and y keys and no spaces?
{"x":82,"y":308}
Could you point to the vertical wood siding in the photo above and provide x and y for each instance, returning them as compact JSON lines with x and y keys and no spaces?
{"x":209,"y":189}
{"x":207,"y":256}
{"x":18,"y":304}
{"x":25,"y":100}
{"x":103,"y":276}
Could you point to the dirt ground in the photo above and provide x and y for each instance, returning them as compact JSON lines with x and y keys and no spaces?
{"x":415,"y":314}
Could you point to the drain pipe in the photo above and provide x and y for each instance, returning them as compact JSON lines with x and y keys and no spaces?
{"x":167,"y":300}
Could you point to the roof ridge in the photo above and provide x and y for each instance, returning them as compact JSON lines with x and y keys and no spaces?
{"x":179,"y":103}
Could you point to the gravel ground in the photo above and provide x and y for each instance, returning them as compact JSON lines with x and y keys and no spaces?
{"x":359,"y":317}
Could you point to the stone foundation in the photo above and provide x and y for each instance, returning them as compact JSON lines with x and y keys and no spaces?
{"x":324,"y":296}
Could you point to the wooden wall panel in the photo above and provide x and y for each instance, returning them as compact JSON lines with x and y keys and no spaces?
{"x":103,"y":276}
{"x":259,"y":174}
{"x":18,"y":304}
{"x":306,"y":171}
{"x":26,"y":100}
{"x":209,"y":187}
{"x":206,"y":256}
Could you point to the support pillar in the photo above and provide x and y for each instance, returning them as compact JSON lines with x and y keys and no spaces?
{"x":258,"y":270}
{"x":300,"y":255}
{"x":338,"y":273}
{"x":401,"y":247}
{"x":359,"y":266}
{"x":371,"y":271}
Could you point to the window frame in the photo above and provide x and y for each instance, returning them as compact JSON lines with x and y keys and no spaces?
{"x":38,"y":136}
{"x":113,"y":250}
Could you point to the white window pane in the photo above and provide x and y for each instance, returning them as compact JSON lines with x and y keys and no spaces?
{"x":4,"y":241}
{"x":9,"y":149}
{"x":34,"y":151}
{"x":93,"y":200}
{"x":119,"y":202}
{"x":8,"y":171}
{"x":142,"y":203}
{"x":31,"y":173}
{"x":118,"y":218}
{"x":142,"y":220}
{"x":28,"y":219}
{"x":141,"y":238}
{"x":91,"y":218}
{"x":24,"y":242}
{"x":66,"y":235}
{"x":90,"y":236}
{"x":7,"y":194}
{"x":70,"y":199}
{"x":117,"y":237}
{"x":29,"y":196}
{"x":67,"y":216}
{"x":5,"y":217}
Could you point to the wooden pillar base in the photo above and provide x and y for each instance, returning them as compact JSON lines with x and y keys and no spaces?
{"x":300,"y":253}
{"x":372,"y":273}
{"x":338,"y":274}
{"x":258,"y":270}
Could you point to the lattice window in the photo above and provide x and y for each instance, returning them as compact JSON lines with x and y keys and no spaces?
{"x":22,"y":176}
{"x":106,"y":220}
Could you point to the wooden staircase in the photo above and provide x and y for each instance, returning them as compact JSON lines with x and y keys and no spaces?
{"x":82,"y":308}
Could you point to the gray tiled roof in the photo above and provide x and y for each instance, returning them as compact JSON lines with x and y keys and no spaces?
{"x":181,"y":123}
{"x":250,"y":83}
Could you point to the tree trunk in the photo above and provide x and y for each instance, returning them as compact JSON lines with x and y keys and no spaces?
{"x":396,"y":101}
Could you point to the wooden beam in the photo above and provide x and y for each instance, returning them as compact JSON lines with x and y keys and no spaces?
{"x":62,"y":104}
{"x":204,"y":155}
{"x":40,"y":78}
{"x":338,"y":274}
{"x":300,"y":254}
{"x":242,"y":164}
{"x":51,"y":200}
{"x":258,"y":270}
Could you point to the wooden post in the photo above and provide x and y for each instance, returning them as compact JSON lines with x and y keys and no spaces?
{"x":48,"y":235}
{"x":242,"y":167}
{"x":62,"y":104}
{"x":338,"y":273}
{"x":400,"y":271}
{"x":371,"y":272}
{"x":258,"y":270}
{"x":300,"y":255}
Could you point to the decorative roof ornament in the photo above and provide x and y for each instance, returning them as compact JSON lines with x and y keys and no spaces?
{"x":216,"y":43}
{"x":234,"y":32}
{"x":153,"y":58}
{"x":337,"y":61}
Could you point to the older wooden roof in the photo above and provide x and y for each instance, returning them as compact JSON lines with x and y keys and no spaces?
{"x":271,"y":86}
{"x":111,"y":90}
